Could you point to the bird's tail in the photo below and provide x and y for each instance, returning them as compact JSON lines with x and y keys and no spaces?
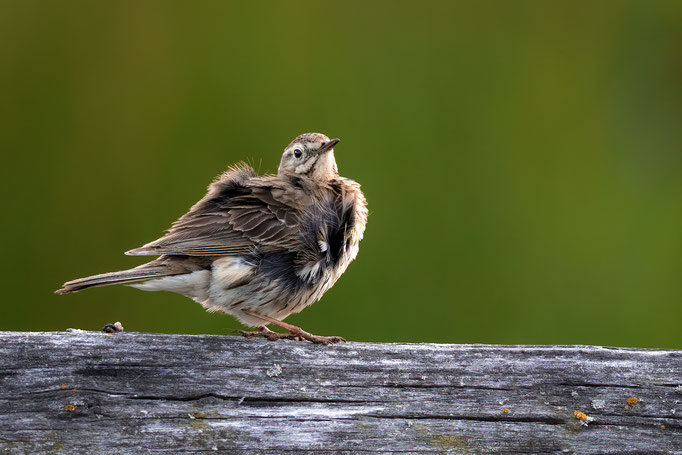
{"x":141,"y":273}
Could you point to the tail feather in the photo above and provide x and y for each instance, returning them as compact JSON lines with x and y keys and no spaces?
{"x":105,"y":279}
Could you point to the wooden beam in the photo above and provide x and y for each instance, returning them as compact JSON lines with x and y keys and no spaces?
{"x":136,"y":393}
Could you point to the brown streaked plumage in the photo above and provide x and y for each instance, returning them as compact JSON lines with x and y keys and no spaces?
{"x":258,"y":247}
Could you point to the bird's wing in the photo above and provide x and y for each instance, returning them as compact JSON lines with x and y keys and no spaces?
{"x":240,"y":212}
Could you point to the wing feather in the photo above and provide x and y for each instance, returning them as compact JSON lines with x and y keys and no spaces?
{"x":240,"y":212}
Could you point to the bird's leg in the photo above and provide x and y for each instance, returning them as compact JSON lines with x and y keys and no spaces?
{"x":267,"y":333}
{"x":294,"y":331}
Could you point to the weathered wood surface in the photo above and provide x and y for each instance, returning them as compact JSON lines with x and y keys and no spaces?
{"x":135,"y":393}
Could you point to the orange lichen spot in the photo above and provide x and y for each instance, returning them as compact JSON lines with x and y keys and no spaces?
{"x":662,"y":427}
{"x":632,"y":400}
{"x":63,"y":386}
{"x":626,"y":407}
{"x":70,"y":407}
{"x":452,"y":424}
{"x":580,"y":416}
{"x":505,"y":410}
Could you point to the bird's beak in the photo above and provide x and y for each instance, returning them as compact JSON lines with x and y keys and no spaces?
{"x":328,"y":145}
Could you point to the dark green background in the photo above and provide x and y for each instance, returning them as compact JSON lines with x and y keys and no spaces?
{"x":522,"y":160}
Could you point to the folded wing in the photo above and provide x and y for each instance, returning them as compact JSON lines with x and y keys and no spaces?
{"x":234,"y":217}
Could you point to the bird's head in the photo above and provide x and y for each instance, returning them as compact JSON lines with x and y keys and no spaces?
{"x":310,"y":155}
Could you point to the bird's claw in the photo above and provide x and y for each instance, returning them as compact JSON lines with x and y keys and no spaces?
{"x":303,"y":335}
{"x":325,"y":340}
{"x":269,"y":334}
{"x":296,"y":335}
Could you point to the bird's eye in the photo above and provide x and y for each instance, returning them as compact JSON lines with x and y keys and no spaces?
{"x":298,"y":153}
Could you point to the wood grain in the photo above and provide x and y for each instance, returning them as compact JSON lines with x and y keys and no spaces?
{"x":137,"y":393}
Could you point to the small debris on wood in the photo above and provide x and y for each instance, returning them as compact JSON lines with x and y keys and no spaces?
{"x":116,"y":327}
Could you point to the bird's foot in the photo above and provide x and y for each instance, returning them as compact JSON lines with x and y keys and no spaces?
{"x":269,"y":334}
{"x":303,"y":335}
{"x":295,"y":333}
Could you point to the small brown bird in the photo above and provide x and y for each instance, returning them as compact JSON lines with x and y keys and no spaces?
{"x":259,"y":247}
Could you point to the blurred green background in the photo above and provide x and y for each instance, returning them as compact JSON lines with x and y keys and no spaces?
{"x":522,"y":160}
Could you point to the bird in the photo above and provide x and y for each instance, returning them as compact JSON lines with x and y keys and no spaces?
{"x":259,"y":248}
